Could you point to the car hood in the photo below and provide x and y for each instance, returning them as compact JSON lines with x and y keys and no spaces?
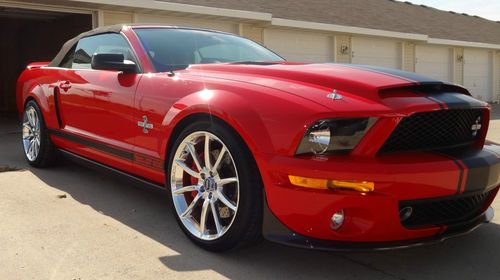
{"x":355,"y":83}
{"x":362,"y":80}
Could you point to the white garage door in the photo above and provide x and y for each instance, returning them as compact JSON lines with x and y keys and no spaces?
{"x":477,"y":73}
{"x":230,"y":27}
{"x":299,"y":45}
{"x":434,"y":61}
{"x":373,"y":51}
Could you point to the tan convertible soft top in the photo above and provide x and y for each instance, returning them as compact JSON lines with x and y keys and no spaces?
{"x":117,"y":28}
{"x":69,"y":44}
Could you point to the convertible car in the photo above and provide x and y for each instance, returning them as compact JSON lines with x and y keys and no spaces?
{"x":248,"y":145}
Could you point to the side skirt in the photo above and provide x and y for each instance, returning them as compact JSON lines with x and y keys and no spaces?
{"x":136,"y":181}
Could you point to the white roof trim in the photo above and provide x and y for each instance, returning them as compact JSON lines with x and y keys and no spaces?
{"x":463,"y":43}
{"x":347,"y":29}
{"x":184,"y":8}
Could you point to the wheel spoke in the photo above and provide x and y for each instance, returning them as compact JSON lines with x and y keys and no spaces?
{"x":203,"y":218}
{"x":192,"y":151}
{"x":29,"y":131}
{"x":186,"y":189}
{"x":226,"y":181}
{"x":207,"y":151}
{"x":187,"y":169}
{"x":218,"y":225}
{"x":215,"y":168}
{"x":189,"y":209}
{"x":29,"y":113}
{"x":33,"y":118}
{"x":35,"y":121}
{"x":222,"y":197}
{"x":30,"y":149}
{"x":36,"y":147}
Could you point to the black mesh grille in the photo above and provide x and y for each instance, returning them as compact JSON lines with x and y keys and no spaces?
{"x":434,"y":130}
{"x":443,"y":211}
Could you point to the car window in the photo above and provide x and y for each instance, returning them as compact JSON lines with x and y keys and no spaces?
{"x":170,"y":48}
{"x":102,"y":43}
{"x":68,"y":59}
{"x":225,"y":53}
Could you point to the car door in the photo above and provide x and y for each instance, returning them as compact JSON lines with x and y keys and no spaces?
{"x":97,"y":106}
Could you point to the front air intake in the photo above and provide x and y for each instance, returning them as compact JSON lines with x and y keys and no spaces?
{"x":444,"y":211}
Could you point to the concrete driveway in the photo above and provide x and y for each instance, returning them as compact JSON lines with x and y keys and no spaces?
{"x":69,"y":222}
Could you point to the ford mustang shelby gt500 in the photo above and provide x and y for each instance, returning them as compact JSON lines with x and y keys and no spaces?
{"x":331,"y":156}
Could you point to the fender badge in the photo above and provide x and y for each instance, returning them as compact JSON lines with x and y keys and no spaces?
{"x":146,"y":126}
{"x":334,"y":95}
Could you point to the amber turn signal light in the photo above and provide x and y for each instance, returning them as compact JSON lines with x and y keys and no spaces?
{"x":325,"y":184}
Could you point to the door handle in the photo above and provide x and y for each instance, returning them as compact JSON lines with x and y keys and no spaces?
{"x":66,"y":85}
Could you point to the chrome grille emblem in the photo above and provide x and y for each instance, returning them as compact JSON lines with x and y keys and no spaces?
{"x":476,"y":127}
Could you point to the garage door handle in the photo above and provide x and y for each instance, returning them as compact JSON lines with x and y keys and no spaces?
{"x":66,"y":85}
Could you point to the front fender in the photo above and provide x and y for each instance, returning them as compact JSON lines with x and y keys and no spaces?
{"x":233,"y":109}
{"x":257,"y":114}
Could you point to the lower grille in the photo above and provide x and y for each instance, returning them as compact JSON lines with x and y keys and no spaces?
{"x":443,"y":211}
{"x":436,"y":130}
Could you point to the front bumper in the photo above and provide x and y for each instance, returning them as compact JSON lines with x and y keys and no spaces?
{"x":275,"y":231}
{"x":301,"y":217}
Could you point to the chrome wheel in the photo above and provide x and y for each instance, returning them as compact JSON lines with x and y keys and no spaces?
{"x":31,"y":133}
{"x":205,"y":185}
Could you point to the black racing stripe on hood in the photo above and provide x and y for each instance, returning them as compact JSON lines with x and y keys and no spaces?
{"x":408,"y":76}
{"x":457,"y":100}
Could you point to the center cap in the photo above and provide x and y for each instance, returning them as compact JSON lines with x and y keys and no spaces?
{"x":209,"y":184}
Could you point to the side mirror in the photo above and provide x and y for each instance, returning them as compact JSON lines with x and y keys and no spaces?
{"x":112,"y":61}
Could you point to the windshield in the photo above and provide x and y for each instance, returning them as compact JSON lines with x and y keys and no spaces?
{"x":171,"y":49}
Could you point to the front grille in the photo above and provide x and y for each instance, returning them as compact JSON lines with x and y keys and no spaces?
{"x":443,"y":211}
{"x":435,"y":130}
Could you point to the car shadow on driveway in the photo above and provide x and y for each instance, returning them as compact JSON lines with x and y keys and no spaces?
{"x":148,"y":212}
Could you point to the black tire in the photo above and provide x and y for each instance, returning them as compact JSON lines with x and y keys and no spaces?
{"x":246,"y":228}
{"x":47,"y":152}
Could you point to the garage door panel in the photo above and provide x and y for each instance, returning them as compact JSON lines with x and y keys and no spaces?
{"x":434,"y":61}
{"x":300,"y":46}
{"x":380,"y":52}
{"x":477,"y":73}
{"x":230,"y":27}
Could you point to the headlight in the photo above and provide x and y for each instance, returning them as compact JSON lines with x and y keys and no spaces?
{"x":336,"y":136}
{"x":319,"y":137}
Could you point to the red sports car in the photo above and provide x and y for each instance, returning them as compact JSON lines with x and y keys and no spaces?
{"x":328,"y":156}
